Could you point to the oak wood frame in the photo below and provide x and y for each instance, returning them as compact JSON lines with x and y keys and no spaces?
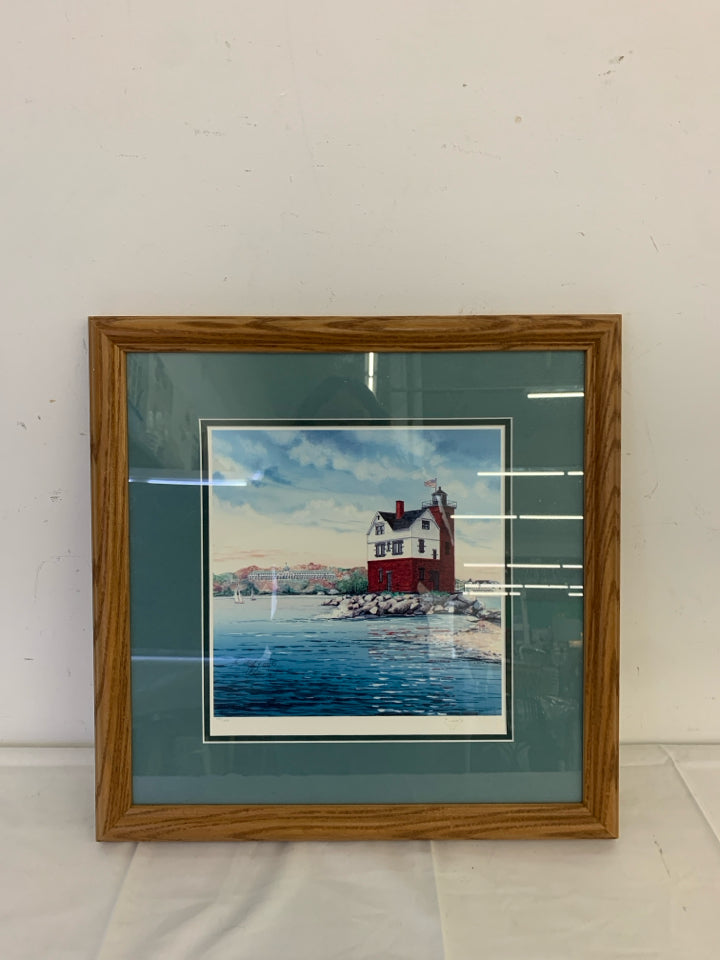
{"x":117,"y":818}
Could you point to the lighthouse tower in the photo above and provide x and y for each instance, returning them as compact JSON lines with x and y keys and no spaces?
{"x":443,"y":510}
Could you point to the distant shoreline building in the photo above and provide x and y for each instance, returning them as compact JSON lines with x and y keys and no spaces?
{"x":288,"y":573}
{"x":410,"y":551}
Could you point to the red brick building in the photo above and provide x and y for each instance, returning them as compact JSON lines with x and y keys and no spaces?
{"x":411,"y":551}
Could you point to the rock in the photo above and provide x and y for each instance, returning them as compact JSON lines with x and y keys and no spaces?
{"x":341,"y":609}
{"x":403,"y":606}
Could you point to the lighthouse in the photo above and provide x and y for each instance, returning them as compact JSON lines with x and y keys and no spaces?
{"x":413,"y":551}
{"x":443,"y":511}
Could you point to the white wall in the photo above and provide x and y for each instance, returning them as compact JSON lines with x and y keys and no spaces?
{"x":389,"y":156}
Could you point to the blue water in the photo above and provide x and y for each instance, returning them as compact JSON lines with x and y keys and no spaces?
{"x":295,"y":660}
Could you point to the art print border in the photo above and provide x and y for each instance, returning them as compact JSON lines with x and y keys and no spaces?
{"x":438,"y":423}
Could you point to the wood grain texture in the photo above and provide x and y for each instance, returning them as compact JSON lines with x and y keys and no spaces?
{"x":111,"y":580}
{"x":602,"y":578}
{"x":352,"y":334}
{"x":410,"y":821}
{"x":116,"y":817}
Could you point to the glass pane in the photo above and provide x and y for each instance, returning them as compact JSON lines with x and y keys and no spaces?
{"x":356,"y":578}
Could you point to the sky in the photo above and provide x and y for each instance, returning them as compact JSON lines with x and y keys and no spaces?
{"x":282,"y":495}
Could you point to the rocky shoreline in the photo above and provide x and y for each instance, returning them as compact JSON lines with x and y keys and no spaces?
{"x":410,"y":605}
{"x":456,"y":620}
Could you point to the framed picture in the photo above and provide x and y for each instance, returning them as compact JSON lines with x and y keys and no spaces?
{"x":355,"y":577}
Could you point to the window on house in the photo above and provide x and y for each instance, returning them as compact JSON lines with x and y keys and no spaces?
{"x":397,"y":547}
{"x":379,"y":549}
{"x":379,"y":529}
{"x":421,"y":545}
{"x":426,"y":524}
{"x":434,"y":554}
{"x":380,"y":574}
{"x":421,"y":573}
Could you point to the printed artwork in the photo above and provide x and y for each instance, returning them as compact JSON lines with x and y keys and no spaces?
{"x":342,"y":595}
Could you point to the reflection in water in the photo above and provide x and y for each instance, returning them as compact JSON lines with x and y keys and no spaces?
{"x":302,"y":663}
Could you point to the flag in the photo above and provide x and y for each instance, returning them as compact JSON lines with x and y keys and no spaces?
{"x":431,"y":483}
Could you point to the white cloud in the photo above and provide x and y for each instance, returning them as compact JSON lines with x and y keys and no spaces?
{"x":223,"y":458}
{"x":229,"y":468}
{"x":331,"y":514}
{"x":241,"y":536}
{"x":391,"y":466}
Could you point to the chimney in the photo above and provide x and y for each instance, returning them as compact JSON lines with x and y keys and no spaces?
{"x":399,"y":509}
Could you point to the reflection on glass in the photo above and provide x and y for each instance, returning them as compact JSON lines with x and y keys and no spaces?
{"x":556,"y":395}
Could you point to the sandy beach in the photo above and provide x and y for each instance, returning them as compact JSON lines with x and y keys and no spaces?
{"x":479,"y":637}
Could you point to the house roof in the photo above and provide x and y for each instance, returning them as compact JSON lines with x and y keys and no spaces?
{"x":405,"y":521}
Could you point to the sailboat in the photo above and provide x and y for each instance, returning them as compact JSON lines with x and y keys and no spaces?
{"x":237,"y":596}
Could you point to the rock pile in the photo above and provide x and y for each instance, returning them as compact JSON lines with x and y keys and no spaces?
{"x":410,"y":605}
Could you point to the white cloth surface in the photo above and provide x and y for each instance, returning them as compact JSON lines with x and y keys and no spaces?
{"x":655,"y":893}
{"x":57,"y":886}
